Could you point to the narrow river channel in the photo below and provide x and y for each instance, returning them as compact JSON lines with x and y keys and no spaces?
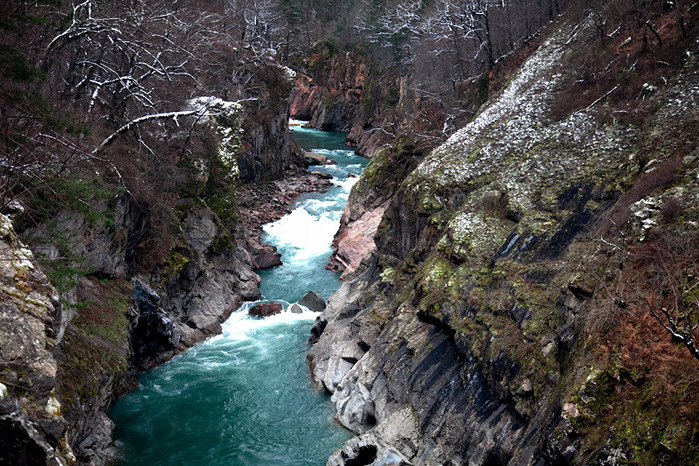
{"x":245,"y":397}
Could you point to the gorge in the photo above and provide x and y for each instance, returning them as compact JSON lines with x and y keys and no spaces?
{"x":244,"y":397}
{"x":518,"y":259}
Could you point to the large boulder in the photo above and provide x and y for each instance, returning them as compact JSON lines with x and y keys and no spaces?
{"x":313,"y":301}
{"x":314,"y":158}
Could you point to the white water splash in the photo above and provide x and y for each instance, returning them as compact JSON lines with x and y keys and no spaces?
{"x":346,"y":184}
{"x":242,"y":326}
{"x":302,"y":235}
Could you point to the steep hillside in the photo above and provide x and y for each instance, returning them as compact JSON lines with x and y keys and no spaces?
{"x":517,"y":305}
{"x":393,"y":69}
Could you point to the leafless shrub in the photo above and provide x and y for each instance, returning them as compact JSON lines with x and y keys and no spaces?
{"x":672,"y":296}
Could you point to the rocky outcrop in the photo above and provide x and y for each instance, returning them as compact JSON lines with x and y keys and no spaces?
{"x":30,"y":414}
{"x":465,"y":338}
{"x":330,"y":94}
{"x":366,"y":204}
{"x":354,"y":240}
{"x":266,"y":150}
{"x":214,"y":281}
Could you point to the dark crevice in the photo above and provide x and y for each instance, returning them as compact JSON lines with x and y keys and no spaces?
{"x":365,"y":456}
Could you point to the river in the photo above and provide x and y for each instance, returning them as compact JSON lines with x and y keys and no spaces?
{"x":245,"y":397}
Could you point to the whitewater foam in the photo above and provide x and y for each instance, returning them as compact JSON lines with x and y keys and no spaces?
{"x":302,"y":234}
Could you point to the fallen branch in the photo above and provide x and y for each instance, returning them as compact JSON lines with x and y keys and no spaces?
{"x":598,"y":100}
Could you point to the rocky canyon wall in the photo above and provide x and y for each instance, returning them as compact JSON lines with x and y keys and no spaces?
{"x":136,"y":279}
{"x":328,"y":89}
{"x":503,"y":316}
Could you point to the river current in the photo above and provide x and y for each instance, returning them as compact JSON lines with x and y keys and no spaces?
{"x":245,"y":397}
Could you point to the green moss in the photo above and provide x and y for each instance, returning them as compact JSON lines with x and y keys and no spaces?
{"x":176,"y":262}
{"x":329,"y":100}
{"x":222,"y":242}
{"x":633,"y":415}
{"x":474,"y":156}
{"x":88,"y":197}
{"x":387,"y":274}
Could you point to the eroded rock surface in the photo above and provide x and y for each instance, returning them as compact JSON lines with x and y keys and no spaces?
{"x":265,"y":309}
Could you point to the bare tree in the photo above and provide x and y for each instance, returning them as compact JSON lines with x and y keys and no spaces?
{"x":398,"y":27}
{"x":119,"y":59}
{"x":81,"y":75}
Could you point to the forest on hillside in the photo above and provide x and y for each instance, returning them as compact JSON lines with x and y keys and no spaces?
{"x":104,"y":87}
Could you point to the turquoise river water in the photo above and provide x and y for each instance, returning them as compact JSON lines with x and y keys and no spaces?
{"x":245,"y":397}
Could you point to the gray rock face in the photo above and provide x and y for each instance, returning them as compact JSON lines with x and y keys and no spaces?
{"x":101,"y":248}
{"x":447,"y":345}
{"x":266,"y":149}
{"x":313,"y":301}
{"x":97,"y":445}
{"x":21,"y":440}
{"x":27,"y":308}
{"x":199,"y":230}
{"x":337,"y":350}
{"x":392,"y":443}
{"x":412,"y":393}
{"x":211,"y":285}
{"x":154,"y":335}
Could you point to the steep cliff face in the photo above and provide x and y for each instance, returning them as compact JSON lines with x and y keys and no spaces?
{"x":30,"y":414}
{"x":367,"y":203}
{"x":492,"y":324}
{"x":329,"y":91}
{"x":117,"y":318}
{"x":267,"y":152}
